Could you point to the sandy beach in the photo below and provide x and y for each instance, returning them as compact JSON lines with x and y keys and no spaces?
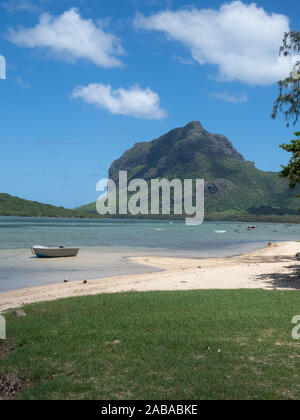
{"x":273,"y":267}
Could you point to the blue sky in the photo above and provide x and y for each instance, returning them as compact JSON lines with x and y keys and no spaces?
{"x":87,"y":79}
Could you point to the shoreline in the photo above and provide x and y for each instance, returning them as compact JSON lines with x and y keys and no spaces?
{"x":271,"y":268}
{"x":210,"y":217}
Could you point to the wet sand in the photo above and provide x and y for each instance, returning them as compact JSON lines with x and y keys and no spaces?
{"x":25,"y":270}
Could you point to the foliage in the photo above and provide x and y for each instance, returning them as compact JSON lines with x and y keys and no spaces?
{"x":288,"y":100}
{"x":292,"y":170}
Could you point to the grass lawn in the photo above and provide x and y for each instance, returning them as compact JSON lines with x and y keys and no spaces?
{"x":170,"y":345}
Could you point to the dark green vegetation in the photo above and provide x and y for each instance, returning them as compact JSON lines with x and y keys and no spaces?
{"x":292,"y":170}
{"x":170,"y":345}
{"x":15,"y":206}
{"x":234,"y":188}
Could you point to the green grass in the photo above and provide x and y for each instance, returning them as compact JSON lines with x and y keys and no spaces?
{"x":173,"y":345}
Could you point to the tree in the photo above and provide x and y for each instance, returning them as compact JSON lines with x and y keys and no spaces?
{"x":288,"y":102}
{"x":292,"y":170}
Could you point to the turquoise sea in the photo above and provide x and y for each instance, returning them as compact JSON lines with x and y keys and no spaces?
{"x":105,"y":244}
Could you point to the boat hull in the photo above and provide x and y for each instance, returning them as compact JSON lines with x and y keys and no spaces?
{"x":55,"y":252}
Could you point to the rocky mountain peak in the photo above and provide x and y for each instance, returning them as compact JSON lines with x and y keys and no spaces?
{"x":182,"y":148}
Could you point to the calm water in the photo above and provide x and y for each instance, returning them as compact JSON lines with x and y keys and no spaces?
{"x":105,"y":244}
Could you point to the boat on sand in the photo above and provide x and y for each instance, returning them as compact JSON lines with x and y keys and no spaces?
{"x":53,"y":251}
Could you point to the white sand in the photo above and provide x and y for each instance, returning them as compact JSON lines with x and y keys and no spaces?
{"x":274,"y":267}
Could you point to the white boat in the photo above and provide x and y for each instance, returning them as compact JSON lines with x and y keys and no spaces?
{"x":53,"y":251}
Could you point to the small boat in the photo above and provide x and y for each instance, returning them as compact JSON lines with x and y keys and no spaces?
{"x":53,"y":251}
{"x":220,"y":231}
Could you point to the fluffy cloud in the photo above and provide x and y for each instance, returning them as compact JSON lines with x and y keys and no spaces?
{"x":135,"y":101}
{"x":243,"y":40}
{"x":229,"y":97}
{"x":70,"y":37}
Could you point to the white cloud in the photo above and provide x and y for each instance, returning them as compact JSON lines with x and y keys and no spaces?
{"x":13,"y":6}
{"x":229,"y":97}
{"x":134,"y":101}
{"x":243,"y":40}
{"x":70,"y":37}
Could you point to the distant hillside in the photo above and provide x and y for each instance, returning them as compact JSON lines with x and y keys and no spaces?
{"x":233,"y":186}
{"x":15,"y":206}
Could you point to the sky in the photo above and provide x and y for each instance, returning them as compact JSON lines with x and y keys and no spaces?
{"x":87,"y":79}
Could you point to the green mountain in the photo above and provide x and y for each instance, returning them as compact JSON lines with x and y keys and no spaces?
{"x":15,"y":206}
{"x":233,"y":186}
